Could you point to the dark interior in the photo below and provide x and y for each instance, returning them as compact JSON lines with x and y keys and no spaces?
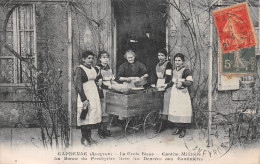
{"x":135,"y":19}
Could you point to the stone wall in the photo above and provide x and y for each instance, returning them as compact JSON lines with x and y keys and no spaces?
{"x":52,"y":52}
{"x":189,"y":34}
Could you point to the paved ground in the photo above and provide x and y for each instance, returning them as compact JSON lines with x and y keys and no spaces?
{"x":23,"y":146}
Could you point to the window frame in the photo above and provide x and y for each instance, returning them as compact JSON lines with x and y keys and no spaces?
{"x":16,"y":46}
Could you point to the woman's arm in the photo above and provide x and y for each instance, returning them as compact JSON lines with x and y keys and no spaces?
{"x":143,"y":70}
{"x":187,"y":83}
{"x":170,"y":84}
{"x":188,"y":78}
{"x":144,"y":76}
{"x":125,"y":79}
{"x":154,"y":78}
{"x":99,"y":77}
{"x":79,"y":84}
{"x":168,"y":72}
{"x":120,"y":73}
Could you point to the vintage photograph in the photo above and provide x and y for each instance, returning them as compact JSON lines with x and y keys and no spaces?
{"x":129,"y":81}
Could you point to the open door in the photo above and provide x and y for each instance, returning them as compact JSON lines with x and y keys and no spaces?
{"x":141,"y":26}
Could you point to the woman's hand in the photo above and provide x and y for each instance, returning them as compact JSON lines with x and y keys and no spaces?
{"x":178,"y":84}
{"x":163,"y":87}
{"x":145,"y":76}
{"x":168,"y":85}
{"x":99,"y":83}
{"x":85,"y":104}
{"x":128,"y":79}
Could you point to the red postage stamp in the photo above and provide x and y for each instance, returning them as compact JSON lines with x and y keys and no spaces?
{"x":235,"y":27}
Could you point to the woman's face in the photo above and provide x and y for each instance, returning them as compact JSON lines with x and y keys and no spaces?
{"x":161,"y":57}
{"x":104,"y":59}
{"x":178,"y":62}
{"x":88,"y":60}
{"x":130,"y":57}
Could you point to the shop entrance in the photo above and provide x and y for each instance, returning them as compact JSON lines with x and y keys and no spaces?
{"x":141,"y":26}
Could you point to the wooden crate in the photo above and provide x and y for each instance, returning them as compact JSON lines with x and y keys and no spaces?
{"x":133,"y":104}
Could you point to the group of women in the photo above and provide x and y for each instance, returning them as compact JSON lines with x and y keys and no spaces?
{"x":92,"y":83}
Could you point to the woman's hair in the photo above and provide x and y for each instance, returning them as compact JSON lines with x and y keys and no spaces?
{"x":163,"y":51}
{"x":179,"y":55}
{"x":101,"y":53}
{"x":86,"y":53}
{"x":131,"y":52}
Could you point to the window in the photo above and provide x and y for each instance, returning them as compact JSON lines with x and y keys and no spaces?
{"x":21,"y":36}
{"x":247,"y":81}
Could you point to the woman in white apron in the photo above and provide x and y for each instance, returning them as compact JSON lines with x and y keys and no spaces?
{"x":106,"y":74}
{"x":180,"y":109}
{"x":88,"y":97}
{"x":163,"y":76}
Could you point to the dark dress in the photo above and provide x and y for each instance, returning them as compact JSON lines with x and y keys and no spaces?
{"x":127,"y":69}
{"x":86,"y":89}
{"x":163,"y":76}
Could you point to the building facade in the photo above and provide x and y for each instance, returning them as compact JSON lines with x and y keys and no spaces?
{"x":49,"y":36}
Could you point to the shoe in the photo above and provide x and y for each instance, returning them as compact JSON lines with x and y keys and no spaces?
{"x":85,"y":142}
{"x":93,"y":141}
{"x":107,"y":133}
{"x":101,"y":134}
{"x":90,"y":139}
{"x":182,"y":133}
{"x":177,"y":131}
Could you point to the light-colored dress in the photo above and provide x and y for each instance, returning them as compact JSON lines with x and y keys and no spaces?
{"x":180,"y":109}
{"x":160,"y":72}
{"x":90,"y":89}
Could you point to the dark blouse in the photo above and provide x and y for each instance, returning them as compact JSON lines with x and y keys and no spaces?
{"x":167,"y":77}
{"x":127,"y":69}
{"x":81,"y":78}
{"x":185,"y":74}
{"x":98,"y":69}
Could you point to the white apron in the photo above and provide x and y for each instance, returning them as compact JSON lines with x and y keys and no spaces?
{"x":107,"y":76}
{"x":160,"y":70}
{"x":180,"y":110}
{"x":90,"y":89}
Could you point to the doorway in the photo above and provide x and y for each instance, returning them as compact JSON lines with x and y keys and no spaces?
{"x":141,"y":27}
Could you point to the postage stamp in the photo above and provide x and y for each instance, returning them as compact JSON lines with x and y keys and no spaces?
{"x":238,"y":62}
{"x":235,"y":27}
